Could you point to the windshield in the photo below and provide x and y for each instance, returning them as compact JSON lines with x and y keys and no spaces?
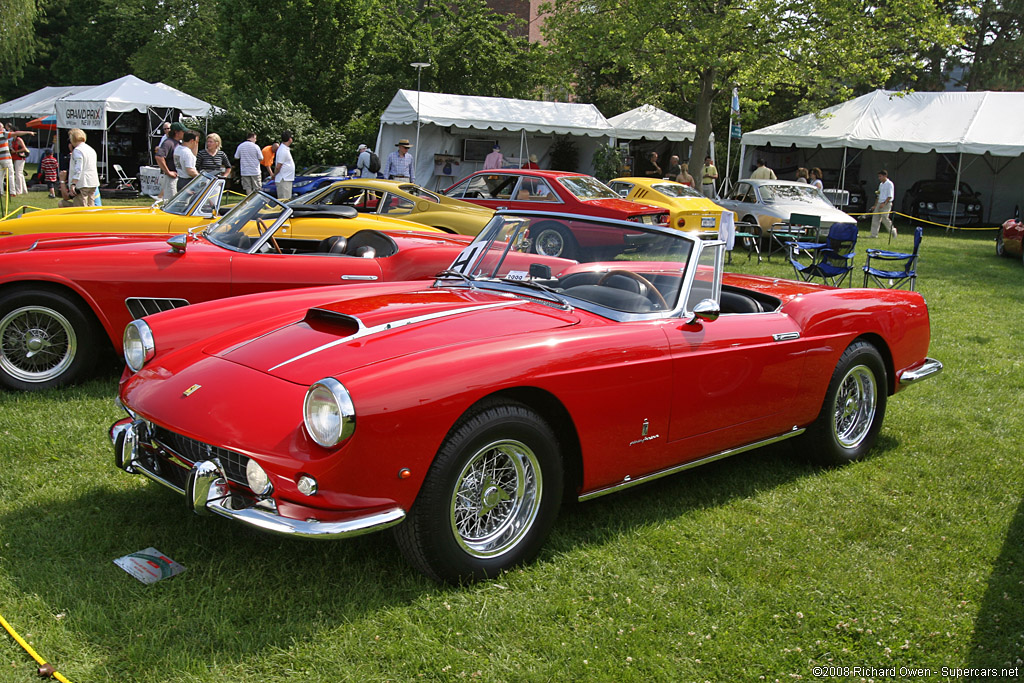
{"x":581,"y":260}
{"x":249,"y":225}
{"x":182,"y":203}
{"x":802,"y":194}
{"x":324,"y":170}
{"x":587,"y":187}
{"x":676,"y":190}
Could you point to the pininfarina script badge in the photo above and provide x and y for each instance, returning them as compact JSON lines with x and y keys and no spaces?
{"x":191,"y":390}
{"x":643,"y":434}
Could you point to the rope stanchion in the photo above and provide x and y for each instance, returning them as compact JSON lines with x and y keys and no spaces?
{"x":921,"y":220}
{"x":45,"y":670}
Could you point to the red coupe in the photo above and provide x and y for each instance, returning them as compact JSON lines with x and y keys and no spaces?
{"x":1010,"y":239}
{"x":64,"y":298}
{"x":460,"y":412}
{"x":576,"y":193}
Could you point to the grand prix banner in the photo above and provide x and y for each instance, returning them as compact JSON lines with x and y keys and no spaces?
{"x":84,"y":115}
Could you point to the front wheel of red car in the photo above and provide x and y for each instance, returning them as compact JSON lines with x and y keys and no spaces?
{"x":45,"y":340}
{"x":854,"y":407}
{"x":489,"y":499}
{"x":1000,"y":247}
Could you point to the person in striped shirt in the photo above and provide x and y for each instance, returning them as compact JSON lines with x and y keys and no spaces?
{"x":48,"y":170}
{"x":6,"y":159}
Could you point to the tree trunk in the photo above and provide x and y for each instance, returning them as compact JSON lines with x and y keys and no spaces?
{"x":700,"y":147}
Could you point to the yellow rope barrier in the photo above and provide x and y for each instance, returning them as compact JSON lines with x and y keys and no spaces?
{"x":921,"y":220}
{"x":45,"y":670}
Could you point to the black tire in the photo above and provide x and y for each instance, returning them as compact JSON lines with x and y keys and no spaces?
{"x":552,"y":239}
{"x":46,"y":340}
{"x":854,"y":408}
{"x":489,"y":499}
{"x":1000,"y":247}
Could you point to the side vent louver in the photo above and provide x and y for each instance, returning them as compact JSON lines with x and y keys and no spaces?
{"x":140,"y":307}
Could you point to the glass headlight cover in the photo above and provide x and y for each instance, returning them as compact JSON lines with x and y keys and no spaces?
{"x":328,"y":412}
{"x":257,"y":478}
{"x":139,"y":346}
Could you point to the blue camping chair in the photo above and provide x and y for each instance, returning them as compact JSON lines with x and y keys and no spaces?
{"x":893,"y":279}
{"x":831,"y":260}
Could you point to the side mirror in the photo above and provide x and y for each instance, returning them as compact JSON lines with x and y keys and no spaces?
{"x":178,"y":243}
{"x":706,"y":311}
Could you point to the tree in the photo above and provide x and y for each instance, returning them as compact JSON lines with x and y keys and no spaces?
{"x":994,"y":52}
{"x":685,"y":55}
{"x":17,"y":40}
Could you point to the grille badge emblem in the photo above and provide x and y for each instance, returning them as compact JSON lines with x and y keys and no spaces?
{"x":191,"y":390}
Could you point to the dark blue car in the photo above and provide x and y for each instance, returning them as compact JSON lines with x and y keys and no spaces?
{"x":310,"y":178}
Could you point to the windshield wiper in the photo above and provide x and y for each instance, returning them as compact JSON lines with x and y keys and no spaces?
{"x":456,"y":273}
{"x":542,"y":287}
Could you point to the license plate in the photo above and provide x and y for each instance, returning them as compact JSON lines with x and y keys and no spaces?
{"x":707,"y":221}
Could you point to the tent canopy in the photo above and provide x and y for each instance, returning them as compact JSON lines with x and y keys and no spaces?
{"x":496,"y":113}
{"x":127,"y":93}
{"x":945,"y":122}
{"x":647,"y":121}
{"x":38,"y":103}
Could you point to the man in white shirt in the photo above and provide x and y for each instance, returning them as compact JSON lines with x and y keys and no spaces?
{"x":185,"y":158}
{"x":883,"y":205}
{"x":84,"y":178}
{"x":249,"y":157}
{"x":363,"y":162}
{"x":284,"y":167}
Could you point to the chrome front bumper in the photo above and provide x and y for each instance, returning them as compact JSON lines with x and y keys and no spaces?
{"x":207,"y":492}
{"x":929,"y":368}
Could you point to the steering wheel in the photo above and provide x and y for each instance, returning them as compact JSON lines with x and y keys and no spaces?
{"x":646,"y":288}
{"x":261,"y":227}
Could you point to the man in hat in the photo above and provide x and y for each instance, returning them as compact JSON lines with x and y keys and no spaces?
{"x":495,"y":159}
{"x":400,"y":165}
{"x":165,"y":160}
{"x":532,"y":163}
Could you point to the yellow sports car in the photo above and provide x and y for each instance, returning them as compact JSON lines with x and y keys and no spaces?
{"x":402,"y":200}
{"x":198,"y":203}
{"x":688,"y":209}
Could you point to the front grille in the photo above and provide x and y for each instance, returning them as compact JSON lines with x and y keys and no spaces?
{"x":195,"y":451}
{"x":140,"y":307}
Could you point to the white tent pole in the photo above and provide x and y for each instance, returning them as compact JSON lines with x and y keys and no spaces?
{"x":842,"y":172}
{"x":956,"y":192}
{"x":742,"y":163}
{"x":522,"y":141}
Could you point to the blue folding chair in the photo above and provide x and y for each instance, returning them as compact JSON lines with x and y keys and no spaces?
{"x":895,"y":278}
{"x":831,"y":260}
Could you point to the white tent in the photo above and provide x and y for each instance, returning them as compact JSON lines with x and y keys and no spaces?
{"x":101,"y":106}
{"x":920,"y":134}
{"x":647,"y":121}
{"x":462,"y":126}
{"x":38,"y":103}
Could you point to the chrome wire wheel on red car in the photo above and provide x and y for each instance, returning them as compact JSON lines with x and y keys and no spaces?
{"x":496,"y":498}
{"x":551,"y":239}
{"x":855,"y":404}
{"x":45,"y":341}
{"x":489,"y":499}
{"x":1000,"y":246}
{"x":854,"y":407}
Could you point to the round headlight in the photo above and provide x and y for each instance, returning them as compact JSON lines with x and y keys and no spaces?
{"x":328,"y":412}
{"x":931,"y":205}
{"x":138,"y":344}
{"x":258,"y":480}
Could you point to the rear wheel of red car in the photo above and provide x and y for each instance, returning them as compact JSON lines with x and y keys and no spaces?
{"x":490,"y":498}
{"x":552,"y":239}
{"x":45,"y":340}
{"x":854,"y":407}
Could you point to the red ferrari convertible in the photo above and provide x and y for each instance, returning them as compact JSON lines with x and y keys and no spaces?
{"x":459,"y":413}
{"x":64,"y":298}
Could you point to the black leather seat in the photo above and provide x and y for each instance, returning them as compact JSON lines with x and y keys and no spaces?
{"x":335,"y":244}
{"x":362,"y":242}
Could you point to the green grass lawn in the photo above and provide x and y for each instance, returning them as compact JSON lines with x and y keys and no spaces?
{"x":759,"y":567}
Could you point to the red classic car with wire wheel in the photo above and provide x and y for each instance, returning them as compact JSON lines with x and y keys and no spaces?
{"x":1010,"y":239}
{"x":561,"y":191}
{"x":65,"y":298}
{"x":460,"y":412}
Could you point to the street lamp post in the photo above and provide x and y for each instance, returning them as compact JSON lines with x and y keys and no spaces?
{"x":419,"y":68}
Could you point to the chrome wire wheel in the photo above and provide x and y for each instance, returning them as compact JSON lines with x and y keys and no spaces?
{"x":37,"y":344}
{"x":854,"y":407}
{"x":496,"y":498}
{"x":550,"y":242}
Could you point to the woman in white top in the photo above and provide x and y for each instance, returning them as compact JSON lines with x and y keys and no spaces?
{"x":816,"y":178}
{"x":84,"y":178}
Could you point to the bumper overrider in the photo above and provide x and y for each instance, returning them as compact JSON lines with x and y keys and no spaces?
{"x":929,"y":368}
{"x":208,"y":492}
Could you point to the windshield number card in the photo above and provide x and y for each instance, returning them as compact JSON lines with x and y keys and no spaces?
{"x":517,"y":275}
{"x":149,"y":565}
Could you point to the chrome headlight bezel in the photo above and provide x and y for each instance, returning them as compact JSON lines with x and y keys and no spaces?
{"x":257,"y":478}
{"x":139,"y":344}
{"x":328,"y":412}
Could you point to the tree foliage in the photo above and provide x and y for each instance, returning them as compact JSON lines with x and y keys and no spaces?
{"x":683,"y":56}
{"x":994,"y":51}
{"x":17,"y":38}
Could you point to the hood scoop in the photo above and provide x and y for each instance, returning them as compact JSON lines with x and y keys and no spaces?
{"x":332,"y":322}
